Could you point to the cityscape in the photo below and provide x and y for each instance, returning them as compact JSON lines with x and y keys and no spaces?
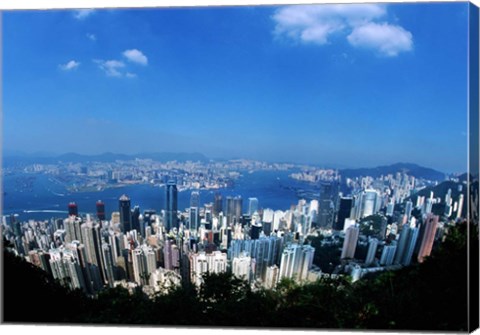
{"x":295,"y":166}
{"x":382,"y":223}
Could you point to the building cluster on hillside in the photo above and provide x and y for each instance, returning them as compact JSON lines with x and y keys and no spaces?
{"x":158,"y":250}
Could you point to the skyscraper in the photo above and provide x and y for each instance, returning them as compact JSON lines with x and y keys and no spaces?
{"x":271,"y":277}
{"x":252,"y":205}
{"x":171,"y":206}
{"x":136,"y":219}
{"x":326,"y":206}
{"x":344,"y":212}
{"x":80,"y":253}
{"x":408,"y":209}
{"x":237,"y":205}
{"x":93,"y":242}
{"x":144,"y":264}
{"x":388,"y":254}
{"x":72,"y":229}
{"x":171,"y":255}
{"x":108,"y":269}
{"x":195,"y":199}
{"x":125,"y":214}
{"x":217,"y":205}
{"x":370,"y":203}
{"x":100,"y":210}
{"x":193,"y":219}
{"x":410,"y":245}
{"x":350,"y":242}
{"x":201,"y":263}
{"x":242,"y":266}
{"x":72,"y":209}
{"x":372,"y":251}
{"x":194,"y":210}
{"x":428,"y":238}
{"x":460,"y":206}
{"x":295,"y":261}
{"x":402,"y":244}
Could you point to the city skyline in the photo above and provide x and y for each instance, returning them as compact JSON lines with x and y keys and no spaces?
{"x":327,"y":84}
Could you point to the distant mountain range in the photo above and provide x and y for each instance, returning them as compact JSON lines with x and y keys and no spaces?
{"x":411,"y":169}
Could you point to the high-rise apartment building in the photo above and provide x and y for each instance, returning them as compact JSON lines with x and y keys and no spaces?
{"x":372,"y":251}
{"x":350,"y":242}
{"x":431,"y":224}
{"x":295,"y":261}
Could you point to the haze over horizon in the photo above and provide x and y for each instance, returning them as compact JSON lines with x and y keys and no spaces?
{"x":353,"y":85}
{"x":194,"y":155}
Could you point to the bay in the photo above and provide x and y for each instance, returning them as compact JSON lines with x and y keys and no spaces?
{"x":44,"y":198}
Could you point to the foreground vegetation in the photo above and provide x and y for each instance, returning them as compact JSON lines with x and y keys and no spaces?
{"x":429,"y":296}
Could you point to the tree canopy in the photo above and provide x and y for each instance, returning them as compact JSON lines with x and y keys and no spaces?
{"x":427,"y":296}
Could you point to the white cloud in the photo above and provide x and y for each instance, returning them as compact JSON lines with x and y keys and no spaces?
{"x":388,"y":39}
{"x":135,"y":56}
{"x":91,"y":37}
{"x":318,"y":24}
{"x":130,"y":75}
{"x":112,"y":68}
{"x":81,"y":14}
{"x":69,"y":66}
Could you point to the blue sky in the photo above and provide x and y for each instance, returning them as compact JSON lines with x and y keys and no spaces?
{"x":338,"y":85}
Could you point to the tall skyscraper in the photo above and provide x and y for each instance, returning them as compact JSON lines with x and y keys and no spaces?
{"x":296,"y":261}
{"x":344,"y":212}
{"x":171,"y":206}
{"x":372,"y":251}
{"x":144,"y":264}
{"x":136,"y":219}
{"x":413,"y":233}
{"x":193,"y":219}
{"x":390,"y":208}
{"x":108,"y":269}
{"x":194,"y":215}
{"x":431,"y":223}
{"x":72,"y":229}
{"x":72,"y":209}
{"x":125,"y":214}
{"x":195,"y":199}
{"x":80,"y":253}
{"x":252,"y":205}
{"x":460,"y":206}
{"x":370,"y":203}
{"x":402,"y":244}
{"x":93,"y":241}
{"x":408,"y":209}
{"x":100,"y":210}
{"x":350,"y":242}
{"x":66,"y":269}
{"x":218,"y":204}
{"x":171,"y":255}
{"x":326,"y":205}
{"x":242,"y":266}
{"x":388,"y":254}
{"x":238,"y":204}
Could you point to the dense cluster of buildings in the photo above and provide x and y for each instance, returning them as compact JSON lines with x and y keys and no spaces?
{"x":189,"y":175}
{"x":157,"y":250}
